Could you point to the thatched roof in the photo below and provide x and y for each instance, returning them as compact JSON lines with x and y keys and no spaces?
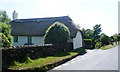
{"x":38,"y":26}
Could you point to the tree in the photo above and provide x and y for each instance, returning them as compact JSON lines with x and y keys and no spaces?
{"x":4,"y":17}
{"x":5,"y":28}
{"x":104,"y":39}
{"x":57,"y":33}
{"x":97,"y":30}
{"x":118,"y":37}
{"x":87,"y":34}
{"x":83,"y":32}
{"x":5,"y":34}
{"x":115,"y":38}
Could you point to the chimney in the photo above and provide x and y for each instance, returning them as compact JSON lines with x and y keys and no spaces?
{"x":15,"y":15}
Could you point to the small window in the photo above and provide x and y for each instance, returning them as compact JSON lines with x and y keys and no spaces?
{"x":29,"y":39}
{"x":15,"y":38}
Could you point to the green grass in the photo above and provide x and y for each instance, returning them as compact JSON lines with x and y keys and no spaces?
{"x":37,"y":63}
{"x":108,"y":46}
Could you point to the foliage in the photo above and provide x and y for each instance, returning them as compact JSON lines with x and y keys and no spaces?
{"x":21,"y":53}
{"x":4,"y":17}
{"x":5,"y":34}
{"x":83,"y":32}
{"x":104,"y":39}
{"x":107,"y":47}
{"x":57,"y":33}
{"x":88,"y":43}
{"x":115,"y":37}
{"x":92,"y":34}
{"x":5,"y":31}
{"x":88,"y":34}
{"x":118,"y":37}
{"x":98,"y":45}
{"x":28,"y":60}
{"x":80,"y":50}
{"x":97,"y":30}
{"x":4,"y":40}
{"x":45,"y":63}
{"x":111,"y":39}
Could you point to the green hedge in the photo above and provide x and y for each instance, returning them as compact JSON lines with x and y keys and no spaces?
{"x":20,"y":53}
{"x":88,"y":43}
{"x":49,"y":66}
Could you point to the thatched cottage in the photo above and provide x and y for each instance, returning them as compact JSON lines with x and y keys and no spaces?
{"x":33,"y":30}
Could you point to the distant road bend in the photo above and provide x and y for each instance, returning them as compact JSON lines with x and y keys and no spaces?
{"x":93,"y":60}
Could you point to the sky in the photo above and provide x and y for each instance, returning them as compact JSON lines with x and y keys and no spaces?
{"x":85,"y":13}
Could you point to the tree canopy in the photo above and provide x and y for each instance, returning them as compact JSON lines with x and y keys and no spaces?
{"x":4,"y":17}
{"x":97,"y":30}
{"x":104,"y":39}
{"x":5,"y":29}
{"x":5,"y":34}
{"x":88,"y":34}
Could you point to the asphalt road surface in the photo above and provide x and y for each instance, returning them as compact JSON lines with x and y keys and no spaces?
{"x":93,"y":60}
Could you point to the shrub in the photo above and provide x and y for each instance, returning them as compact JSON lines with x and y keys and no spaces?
{"x":57,"y":33}
{"x":98,"y":45}
{"x":5,"y":40}
{"x":6,"y":34}
{"x":80,"y":50}
{"x":104,"y":39}
{"x":88,"y":43}
{"x":118,"y":37}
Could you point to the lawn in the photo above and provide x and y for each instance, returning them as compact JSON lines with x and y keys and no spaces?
{"x":40,"y":62}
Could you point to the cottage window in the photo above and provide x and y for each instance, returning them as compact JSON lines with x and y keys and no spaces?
{"x":29,"y":39}
{"x":15,"y":38}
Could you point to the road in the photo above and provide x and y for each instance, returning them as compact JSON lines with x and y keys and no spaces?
{"x":93,"y":60}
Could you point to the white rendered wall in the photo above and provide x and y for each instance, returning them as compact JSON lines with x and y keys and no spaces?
{"x":23,"y":39}
{"x":37,"y":40}
{"x":77,"y":41}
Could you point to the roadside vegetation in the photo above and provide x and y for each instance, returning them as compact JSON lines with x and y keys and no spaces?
{"x":5,"y":30}
{"x":46,"y":63}
{"x":108,"y":46}
{"x":94,"y":39}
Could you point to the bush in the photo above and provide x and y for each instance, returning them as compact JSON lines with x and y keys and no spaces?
{"x":57,"y":33}
{"x":104,"y":39}
{"x":98,"y":45}
{"x":5,"y":40}
{"x":5,"y":34}
{"x":80,"y":50}
{"x":88,"y":43}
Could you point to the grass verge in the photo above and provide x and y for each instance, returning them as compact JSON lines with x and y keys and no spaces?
{"x":108,"y":46}
{"x":46,"y":63}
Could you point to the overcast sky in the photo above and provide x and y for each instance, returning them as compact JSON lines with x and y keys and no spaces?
{"x":86,"y":13}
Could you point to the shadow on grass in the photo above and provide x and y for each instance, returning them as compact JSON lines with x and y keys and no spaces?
{"x":80,"y":51}
{"x":61,"y":54}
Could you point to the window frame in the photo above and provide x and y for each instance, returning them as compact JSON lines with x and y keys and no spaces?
{"x":15,"y":39}
{"x":29,"y":39}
